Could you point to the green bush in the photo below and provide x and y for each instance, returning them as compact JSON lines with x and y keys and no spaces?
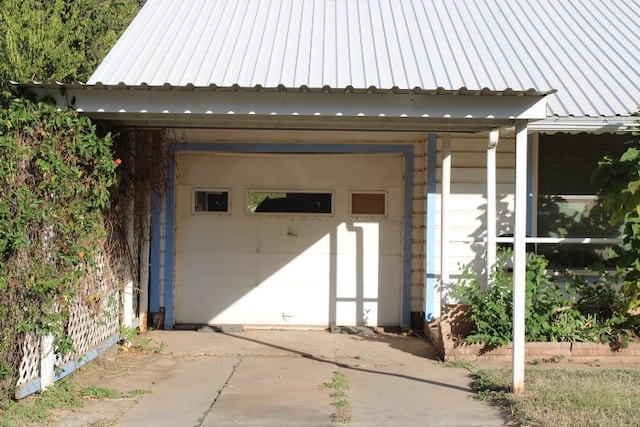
{"x":579,"y":312}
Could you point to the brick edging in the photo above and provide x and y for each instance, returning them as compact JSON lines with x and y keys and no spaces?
{"x":576,"y":352}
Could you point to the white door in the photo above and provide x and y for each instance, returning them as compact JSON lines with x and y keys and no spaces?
{"x":339,"y":262}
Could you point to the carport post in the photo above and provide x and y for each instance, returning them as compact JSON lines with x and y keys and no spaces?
{"x":491,"y":201}
{"x":444,"y":220}
{"x":519,"y":257}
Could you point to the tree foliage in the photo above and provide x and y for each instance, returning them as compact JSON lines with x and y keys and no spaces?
{"x":61,"y":40}
{"x":55,"y":169}
{"x":619,"y":183}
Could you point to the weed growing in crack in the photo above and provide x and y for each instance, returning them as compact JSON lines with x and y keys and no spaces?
{"x":340,"y":399}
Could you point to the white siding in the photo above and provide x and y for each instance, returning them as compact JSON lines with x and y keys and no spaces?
{"x":468,"y":200}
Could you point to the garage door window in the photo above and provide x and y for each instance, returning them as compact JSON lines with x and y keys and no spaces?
{"x":289,"y":202}
{"x":368,"y":203}
{"x":211,"y":201}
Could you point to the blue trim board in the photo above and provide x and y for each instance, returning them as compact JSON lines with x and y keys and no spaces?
{"x":405,"y":149}
{"x":430,"y":229}
{"x":34,"y":386}
{"x":170,"y":239}
{"x":407,"y":240}
{"x":154,"y":273}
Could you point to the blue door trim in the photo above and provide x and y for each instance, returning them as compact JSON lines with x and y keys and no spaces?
{"x":407,"y":150}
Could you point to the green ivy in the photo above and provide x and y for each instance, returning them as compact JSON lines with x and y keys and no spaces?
{"x":619,"y":184}
{"x":55,"y":176}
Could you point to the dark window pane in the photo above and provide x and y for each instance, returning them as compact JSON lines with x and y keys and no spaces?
{"x":290,"y":202}
{"x":211,"y":201}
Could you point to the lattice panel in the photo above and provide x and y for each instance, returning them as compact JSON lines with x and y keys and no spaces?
{"x":30,"y":364}
{"x":94,"y":313}
{"x":93,"y":318}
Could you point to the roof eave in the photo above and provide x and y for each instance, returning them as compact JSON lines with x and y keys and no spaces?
{"x":213,"y":106}
{"x":611,"y":124}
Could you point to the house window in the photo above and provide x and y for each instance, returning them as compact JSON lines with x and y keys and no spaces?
{"x":211,"y":201}
{"x":567,"y":202}
{"x":289,"y":202}
{"x":368,"y":203}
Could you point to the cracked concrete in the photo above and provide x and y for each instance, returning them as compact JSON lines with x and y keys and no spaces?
{"x":274,"y":378}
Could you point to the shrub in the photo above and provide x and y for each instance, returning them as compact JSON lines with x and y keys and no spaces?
{"x":580,"y":312}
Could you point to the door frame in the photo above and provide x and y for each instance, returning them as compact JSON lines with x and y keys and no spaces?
{"x":166,"y":205}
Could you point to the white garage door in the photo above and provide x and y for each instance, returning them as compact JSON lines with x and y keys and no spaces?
{"x":325,"y":248}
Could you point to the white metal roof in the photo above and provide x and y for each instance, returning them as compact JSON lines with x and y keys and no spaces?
{"x":589,"y":50}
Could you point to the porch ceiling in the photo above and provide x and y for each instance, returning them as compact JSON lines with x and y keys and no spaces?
{"x":303,"y":108}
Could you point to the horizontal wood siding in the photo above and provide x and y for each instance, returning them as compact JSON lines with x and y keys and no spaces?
{"x":468,"y":202}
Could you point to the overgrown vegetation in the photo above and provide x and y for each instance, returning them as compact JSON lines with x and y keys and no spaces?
{"x":619,"y":183}
{"x":556,"y":396}
{"x":55,"y":169}
{"x":65,"y":394}
{"x":55,"y":175}
{"x":576,"y":311}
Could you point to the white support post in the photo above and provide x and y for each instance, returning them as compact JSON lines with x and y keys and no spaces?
{"x":127,"y":316}
{"x":444,"y":218}
{"x":519,"y":257}
{"x":491,"y":202}
{"x":47,"y":361}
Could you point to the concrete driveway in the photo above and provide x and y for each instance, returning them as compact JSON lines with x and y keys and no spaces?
{"x":280,"y":378}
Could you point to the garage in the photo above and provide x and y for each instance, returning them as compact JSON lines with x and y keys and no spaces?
{"x":288,"y":239}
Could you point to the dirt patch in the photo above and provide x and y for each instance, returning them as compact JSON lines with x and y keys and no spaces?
{"x":127,"y":371}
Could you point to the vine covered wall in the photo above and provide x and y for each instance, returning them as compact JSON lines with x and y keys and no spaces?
{"x":56,"y":172}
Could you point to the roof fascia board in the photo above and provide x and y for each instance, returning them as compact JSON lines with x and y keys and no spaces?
{"x":138,"y":100}
{"x":585,"y":124}
{"x":246,"y":122}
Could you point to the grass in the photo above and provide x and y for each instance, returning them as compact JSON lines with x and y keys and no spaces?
{"x":130,"y":339}
{"x":64,"y":394}
{"x":459,"y":363}
{"x":340,"y":399}
{"x":38,"y":408}
{"x":105,"y":393}
{"x":565,"y":396}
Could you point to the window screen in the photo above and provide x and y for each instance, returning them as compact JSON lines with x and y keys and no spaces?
{"x":567,"y":202}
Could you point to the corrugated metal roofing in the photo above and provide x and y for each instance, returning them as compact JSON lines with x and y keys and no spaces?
{"x":588,"y":50}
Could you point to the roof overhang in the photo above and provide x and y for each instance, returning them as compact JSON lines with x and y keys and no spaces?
{"x":596,"y":125}
{"x":302,"y":108}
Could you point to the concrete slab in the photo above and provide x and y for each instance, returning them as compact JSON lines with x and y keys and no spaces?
{"x":283,"y":391}
{"x":274,"y":378}
{"x":405,"y":397}
{"x":183,"y":396}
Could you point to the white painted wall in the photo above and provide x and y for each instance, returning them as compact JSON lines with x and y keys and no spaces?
{"x":468,"y":200}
